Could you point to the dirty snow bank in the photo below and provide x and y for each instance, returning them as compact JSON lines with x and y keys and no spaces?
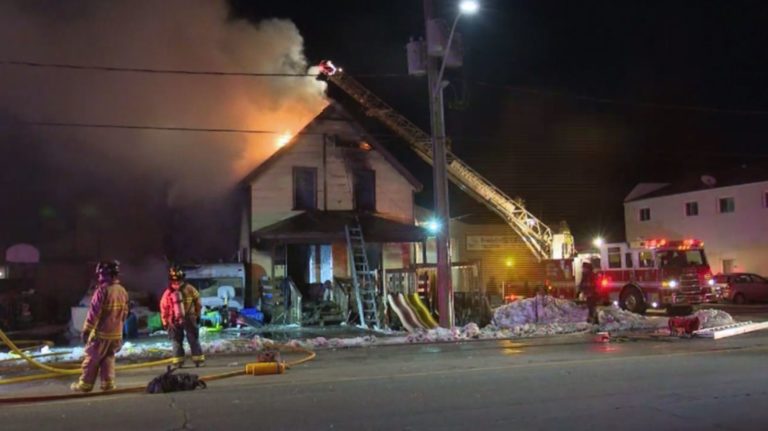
{"x":541,"y":310}
{"x":616,"y":319}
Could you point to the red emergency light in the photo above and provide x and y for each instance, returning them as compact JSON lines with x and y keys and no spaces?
{"x":602,"y":281}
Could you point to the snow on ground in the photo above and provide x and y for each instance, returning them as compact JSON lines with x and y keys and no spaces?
{"x":711,"y":317}
{"x":539,"y":310}
{"x":533,"y":317}
{"x":616,"y":319}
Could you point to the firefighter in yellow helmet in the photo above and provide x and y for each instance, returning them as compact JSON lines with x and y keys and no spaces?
{"x":103,"y":329}
{"x":180,"y":311}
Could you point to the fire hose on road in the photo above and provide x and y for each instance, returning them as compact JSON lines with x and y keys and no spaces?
{"x":255,"y":368}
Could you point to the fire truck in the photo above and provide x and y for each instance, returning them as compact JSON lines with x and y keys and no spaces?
{"x":658,"y":273}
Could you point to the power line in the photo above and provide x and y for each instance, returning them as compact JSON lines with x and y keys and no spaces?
{"x":143,"y":127}
{"x":626,"y":102}
{"x":185,"y":71}
{"x":379,"y":75}
{"x":156,"y":71}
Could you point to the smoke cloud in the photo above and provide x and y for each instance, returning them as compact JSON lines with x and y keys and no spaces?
{"x":61,"y":176}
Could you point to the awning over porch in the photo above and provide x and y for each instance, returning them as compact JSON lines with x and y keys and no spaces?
{"x":312,"y":227}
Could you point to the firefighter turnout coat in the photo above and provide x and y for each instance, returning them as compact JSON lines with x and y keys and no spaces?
{"x":108,"y":310}
{"x":178,"y":305}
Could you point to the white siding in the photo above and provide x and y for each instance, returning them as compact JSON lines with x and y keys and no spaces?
{"x":741,"y":235}
{"x":272,"y":191}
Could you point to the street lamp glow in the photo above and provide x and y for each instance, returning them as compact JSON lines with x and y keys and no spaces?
{"x":433,"y":226}
{"x":469,"y":7}
{"x":598,"y":242}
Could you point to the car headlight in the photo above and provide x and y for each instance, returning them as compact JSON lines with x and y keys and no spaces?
{"x":672,"y":284}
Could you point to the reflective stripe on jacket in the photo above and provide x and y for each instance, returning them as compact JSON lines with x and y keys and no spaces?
{"x":107,"y":312}
{"x":171,"y":311}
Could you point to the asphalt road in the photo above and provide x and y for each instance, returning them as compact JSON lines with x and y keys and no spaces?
{"x":567,"y":383}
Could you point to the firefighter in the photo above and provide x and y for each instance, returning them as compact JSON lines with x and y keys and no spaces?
{"x":103,"y":329}
{"x":588,"y":288}
{"x":180,"y":311}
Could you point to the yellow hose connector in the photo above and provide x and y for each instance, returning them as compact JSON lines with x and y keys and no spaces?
{"x":264,"y":368}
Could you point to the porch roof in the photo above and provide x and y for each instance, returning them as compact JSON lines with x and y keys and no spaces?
{"x":312,"y":227}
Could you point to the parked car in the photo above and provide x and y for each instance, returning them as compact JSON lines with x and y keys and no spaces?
{"x":742,"y":287}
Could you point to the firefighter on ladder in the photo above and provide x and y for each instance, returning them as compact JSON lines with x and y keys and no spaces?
{"x":103,"y":329}
{"x":179,"y":311}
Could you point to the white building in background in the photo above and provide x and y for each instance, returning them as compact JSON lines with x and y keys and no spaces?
{"x":730,"y":214}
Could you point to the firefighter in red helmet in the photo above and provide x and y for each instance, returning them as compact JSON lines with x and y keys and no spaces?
{"x":103,"y":329}
{"x":180,"y":311}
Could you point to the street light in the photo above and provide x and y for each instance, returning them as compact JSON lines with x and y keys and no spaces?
{"x":439,"y":163}
{"x":466,"y":7}
{"x":598,"y":242}
{"x":469,"y":7}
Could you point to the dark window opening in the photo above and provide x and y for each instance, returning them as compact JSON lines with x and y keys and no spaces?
{"x":727,"y":205}
{"x":645,"y":214}
{"x":691,"y":209}
{"x":304,"y":188}
{"x":365,"y":190}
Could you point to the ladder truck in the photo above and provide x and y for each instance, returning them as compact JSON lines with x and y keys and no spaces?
{"x":543,"y":243}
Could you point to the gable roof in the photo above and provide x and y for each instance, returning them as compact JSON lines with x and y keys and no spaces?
{"x":727,"y":177}
{"x":333,"y":112}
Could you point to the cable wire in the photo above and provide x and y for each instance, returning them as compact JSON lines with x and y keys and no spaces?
{"x":156,"y":71}
{"x":143,"y":127}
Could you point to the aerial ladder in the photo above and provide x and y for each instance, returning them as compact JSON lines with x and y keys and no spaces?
{"x":543,"y":243}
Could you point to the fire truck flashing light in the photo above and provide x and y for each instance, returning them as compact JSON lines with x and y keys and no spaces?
{"x":680,"y":245}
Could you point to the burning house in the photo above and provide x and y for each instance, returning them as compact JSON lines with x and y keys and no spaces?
{"x":330,"y":206}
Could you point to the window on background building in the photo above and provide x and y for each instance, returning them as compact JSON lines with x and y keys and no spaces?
{"x":365,"y":189}
{"x":614,"y":257}
{"x":765,"y":199}
{"x":726,"y":205}
{"x":304,"y":188}
{"x":691,"y":209}
{"x":645,"y":214}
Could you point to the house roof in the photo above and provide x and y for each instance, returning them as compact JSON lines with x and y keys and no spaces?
{"x":333,"y":112}
{"x":726,"y":177}
{"x":328,"y":226}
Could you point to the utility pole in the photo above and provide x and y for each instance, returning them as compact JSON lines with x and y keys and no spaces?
{"x":440,"y":181}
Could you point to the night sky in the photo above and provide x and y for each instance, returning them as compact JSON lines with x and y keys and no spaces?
{"x":568,"y":104}
{"x":565,"y":104}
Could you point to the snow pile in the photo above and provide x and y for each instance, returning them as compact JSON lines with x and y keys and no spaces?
{"x":435,"y":335}
{"x":532,"y":330}
{"x":710,"y":318}
{"x":616,"y":319}
{"x":541,"y":310}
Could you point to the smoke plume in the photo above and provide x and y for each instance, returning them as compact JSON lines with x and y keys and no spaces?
{"x":127,"y":179}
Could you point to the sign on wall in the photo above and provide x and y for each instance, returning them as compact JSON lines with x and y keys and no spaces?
{"x":490,"y":242}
